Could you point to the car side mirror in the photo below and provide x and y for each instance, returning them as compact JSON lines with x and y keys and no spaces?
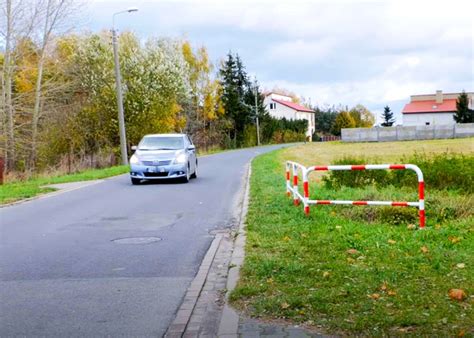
{"x":191,"y":147}
{"x":134,"y":148}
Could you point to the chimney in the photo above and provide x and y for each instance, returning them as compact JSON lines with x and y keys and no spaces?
{"x":439,"y":96}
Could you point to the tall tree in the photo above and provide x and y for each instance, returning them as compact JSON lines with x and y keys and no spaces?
{"x":54,"y":14}
{"x":235,"y":84}
{"x":343,"y":120}
{"x":388,"y":119}
{"x":324,"y":119}
{"x":204,"y":109}
{"x":463,"y":113}
{"x":362,"y":117}
{"x":17,"y":22}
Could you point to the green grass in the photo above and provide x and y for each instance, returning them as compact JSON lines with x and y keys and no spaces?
{"x":15,"y":191}
{"x":393,"y":280}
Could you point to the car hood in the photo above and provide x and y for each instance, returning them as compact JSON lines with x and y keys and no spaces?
{"x":145,"y":155}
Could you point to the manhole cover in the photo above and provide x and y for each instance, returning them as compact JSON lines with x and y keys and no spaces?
{"x":136,"y":240}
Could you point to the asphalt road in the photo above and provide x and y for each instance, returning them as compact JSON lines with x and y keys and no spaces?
{"x":63,"y":272}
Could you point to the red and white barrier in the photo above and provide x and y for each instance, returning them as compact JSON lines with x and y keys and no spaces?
{"x":420,"y":204}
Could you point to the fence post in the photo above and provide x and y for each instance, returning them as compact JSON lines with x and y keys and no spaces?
{"x":287,"y":179}
{"x":296,"y":200}
{"x":305,"y":192}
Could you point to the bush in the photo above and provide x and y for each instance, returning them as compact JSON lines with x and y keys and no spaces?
{"x":441,"y":172}
{"x":355,"y":179}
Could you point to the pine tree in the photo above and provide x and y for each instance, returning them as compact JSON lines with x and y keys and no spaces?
{"x":388,"y":119}
{"x":236,"y":97}
{"x":463,"y":113}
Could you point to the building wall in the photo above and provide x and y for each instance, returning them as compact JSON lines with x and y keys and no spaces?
{"x":431,"y":118}
{"x":282,"y":111}
{"x":414,"y":119}
{"x":405,"y":133}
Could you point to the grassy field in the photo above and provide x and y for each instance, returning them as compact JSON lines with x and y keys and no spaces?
{"x":359,"y":270}
{"x":15,"y":191}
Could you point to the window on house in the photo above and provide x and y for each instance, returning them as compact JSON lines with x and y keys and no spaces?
{"x":272,"y":106}
{"x":427,"y":123}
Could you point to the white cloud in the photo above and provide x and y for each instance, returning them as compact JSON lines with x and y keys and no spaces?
{"x":349,"y":52}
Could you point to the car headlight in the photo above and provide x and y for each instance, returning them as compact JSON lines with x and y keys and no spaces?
{"x":134,"y":160}
{"x":181,"y":158}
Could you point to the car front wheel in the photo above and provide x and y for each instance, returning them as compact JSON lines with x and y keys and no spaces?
{"x":195,"y":173}
{"x":186,"y":177}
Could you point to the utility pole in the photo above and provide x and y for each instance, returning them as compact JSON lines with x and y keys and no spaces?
{"x":118,"y":88}
{"x":256,"y":114}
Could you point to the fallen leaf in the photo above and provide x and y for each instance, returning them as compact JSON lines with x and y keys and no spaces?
{"x":438,"y":226}
{"x":460,"y":265}
{"x":352,"y":252}
{"x":457,"y":294}
{"x":461,"y":333}
{"x":411,"y":226}
{"x":284,"y":305}
{"x":391,"y":241}
{"x":270,"y":280}
{"x":454,"y":239}
{"x":374,"y":296}
{"x":326,"y":274}
{"x":424,"y":249}
{"x":384,"y":287}
{"x":286,"y":238}
{"x":392,"y":293}
{"x":350,"y":260}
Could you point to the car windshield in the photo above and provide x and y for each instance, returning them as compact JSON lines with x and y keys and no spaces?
{"x":161,"y":143}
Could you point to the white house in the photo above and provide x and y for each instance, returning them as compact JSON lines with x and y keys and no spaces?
{"x":281,"y":106}
{"x":432,"y":109}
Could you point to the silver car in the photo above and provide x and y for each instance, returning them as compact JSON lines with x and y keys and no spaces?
{"x":162,"y":156}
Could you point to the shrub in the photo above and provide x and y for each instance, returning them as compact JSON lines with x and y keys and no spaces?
{"x":441,"y":172}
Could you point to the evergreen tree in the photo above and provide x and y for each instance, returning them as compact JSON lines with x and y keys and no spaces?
{"x":388,"y":119}
{"x":463,"y":113}
{"x":236,"y":96}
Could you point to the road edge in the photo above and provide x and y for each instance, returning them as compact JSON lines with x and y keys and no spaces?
{"x":185,"y":310}
{"x":58,"y":191}
{"x":229,"y":323}
{"x":179,"y":325}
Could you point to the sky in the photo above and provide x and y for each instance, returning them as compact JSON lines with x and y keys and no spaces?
{"x":374,"y":53}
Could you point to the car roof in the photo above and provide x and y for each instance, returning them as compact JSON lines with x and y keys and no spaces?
{"x":168,"y":135}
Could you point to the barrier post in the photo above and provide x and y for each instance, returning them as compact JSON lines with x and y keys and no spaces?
{"x":296,"y":200}
{"x":305,"y":192}
{"x":287,"y":179}
{"x":421,"y":193}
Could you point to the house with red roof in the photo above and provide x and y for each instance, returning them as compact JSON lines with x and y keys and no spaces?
{"x":282,"y":106}
{"x":432,"y":109}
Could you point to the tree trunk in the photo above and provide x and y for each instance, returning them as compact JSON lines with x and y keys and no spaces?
{"x":7,"y":92}
{"x":37,"y":108}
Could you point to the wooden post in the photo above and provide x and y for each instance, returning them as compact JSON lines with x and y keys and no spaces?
{"x":2,"y":168}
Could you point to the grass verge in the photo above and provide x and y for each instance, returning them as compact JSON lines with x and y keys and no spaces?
{"x":348,"y":272}
{"x":11,"y":192}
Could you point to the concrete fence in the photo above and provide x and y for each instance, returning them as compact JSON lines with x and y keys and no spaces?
{"x":406,"y":133}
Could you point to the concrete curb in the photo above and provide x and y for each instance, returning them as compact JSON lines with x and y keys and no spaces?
{"x":229,"y":323}
{"x":181,"y":320}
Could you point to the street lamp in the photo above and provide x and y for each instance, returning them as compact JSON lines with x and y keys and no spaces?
{"x":118,"y":88}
